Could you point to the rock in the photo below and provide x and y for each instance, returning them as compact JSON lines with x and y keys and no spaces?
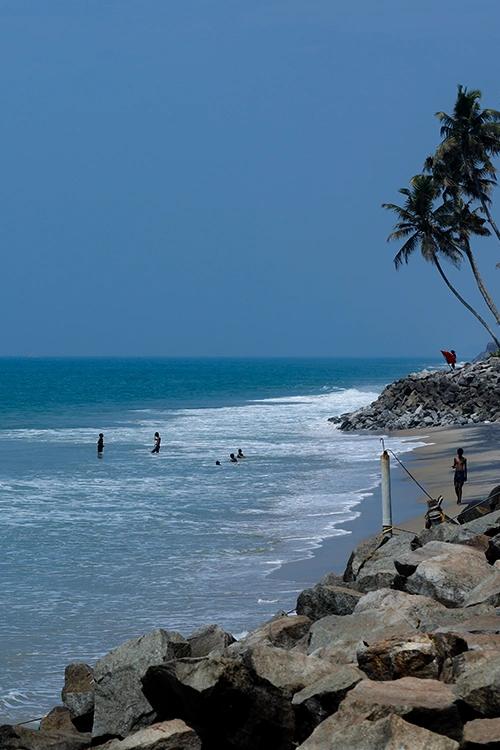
{"x":389,"y":733}
{"x":337,"y":634}
{"x":288,"y":670}
{"x":120,"y":705}
{"x":58,"y":720}
{"x":21,"y":738}
{"x":427,"y":703}
{"x":167,"y":735}
{"x":420,"y":655}
{"x":208,"y":639}
{"x":322,"y":698}
{"x":325,"y":599}
{"x":360,"y":555}
{"x":407,"y":562}
{"x":493,"y":551}
{"x":224,"y":701}
{"x":482,"y":733}
{"x":449,"y":576}
{"x":378,"y":570}
{"x":78,"y":694}
{"x":282,"y":632}
{"x":487,"y":591}
{"x":479,"y":686}
{"x":394,"y":607}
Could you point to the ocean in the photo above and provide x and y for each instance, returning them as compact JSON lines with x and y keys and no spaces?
{"x":98,"y":551}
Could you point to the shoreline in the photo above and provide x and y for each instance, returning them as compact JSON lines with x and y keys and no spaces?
{"x":431,"y":465}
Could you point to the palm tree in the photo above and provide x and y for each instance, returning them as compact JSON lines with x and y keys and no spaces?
{"x":422,"y":226}
{"x":464,"y":223}
{"x":471,"y":136}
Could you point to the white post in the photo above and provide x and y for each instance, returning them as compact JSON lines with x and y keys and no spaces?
{"x":386,"y":494}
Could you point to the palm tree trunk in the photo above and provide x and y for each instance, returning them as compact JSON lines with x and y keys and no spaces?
{"x":466,"y":304}
{"x":480,"y":283}
{"x":490,"y":218}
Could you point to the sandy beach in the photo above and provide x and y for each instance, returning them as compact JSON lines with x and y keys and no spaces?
{"x":431,"y":465}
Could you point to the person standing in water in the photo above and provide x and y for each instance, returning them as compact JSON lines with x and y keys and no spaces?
{"x":100,"y":445}
{"x":233,"y":458}
{"x":156,"y":448}
{"x":460,"y":466}
{"x":240,"y":454}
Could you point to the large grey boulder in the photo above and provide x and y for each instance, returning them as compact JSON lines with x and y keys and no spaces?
{"x":209,"y":639}
{"x":482,"y":733}
{"x":407,"y":562}
{"x":452,"y":533}
{"x":227,"y":704}
{"x":78,"y":694}
{"x":427,"y":703}
{"x":394,"y":607}
{"x":287,"y":670}
{"x":421,"y":655}
{"x":57,"y":720}
{"x":120,"y":704}
{"x":388,"y":733}
{"x":449,"y":576}
{"x":487,"y":590}
{"x":376,"y":568}
{"x":479,"y":686}
{"x":21,"y":738}
{"x":337,"y":637}
{"x":322,"y":698}
{"x":283,"y":632}
{"x":324,"y":599}
{"x":166,"y":735}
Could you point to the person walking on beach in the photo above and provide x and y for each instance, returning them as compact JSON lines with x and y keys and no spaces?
{"x":157,"y":444}
{"x":100,"y":445}
{"x":460,"y":466}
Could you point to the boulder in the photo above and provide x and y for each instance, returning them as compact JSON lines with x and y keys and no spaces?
{"x":427,"y":703}
{"x":324,"y":599}
{"x":322,"y":698}
{"x":208,"y":639}
{"x":57,"y":720}
{"x":407,"y":562}
{"x":395,"y":607}
{"x":360,"y":555}
{"x":340,"y":635}
{"x":479,"y":686}
{"x":449,"y":576}
{"x":227,"y":704}
{"x":166,"y":735}
{"x":487,"y":591}
{"x":389,"y":733}
{"x":377,"y":569}
{"x":120,"y":705}
{"x":482,"y":733}
{"x":282,"y":632}
{"x":452,"y":533}
{"x":287,"y":670}
{"x":78,"y":694}
{"x":421,"y":655}
{"x":493,"y":550}
{"x":21,"y":738}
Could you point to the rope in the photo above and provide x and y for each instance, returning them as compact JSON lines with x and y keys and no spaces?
{"x":410,"y":474}
{"x":31,"y":721}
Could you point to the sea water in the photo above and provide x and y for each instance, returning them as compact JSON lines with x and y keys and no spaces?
{"x":96,"y":551}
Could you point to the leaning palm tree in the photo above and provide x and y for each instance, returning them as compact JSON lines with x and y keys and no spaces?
{"x":465,"y":222}
{"x":424,"y":227}
{"x":471,"y":136}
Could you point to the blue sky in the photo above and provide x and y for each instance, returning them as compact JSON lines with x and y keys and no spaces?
{"x":205,"y":178}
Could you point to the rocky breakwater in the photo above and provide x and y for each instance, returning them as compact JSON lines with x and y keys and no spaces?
{"x":430,"y":399}
{"x":402,"y":651}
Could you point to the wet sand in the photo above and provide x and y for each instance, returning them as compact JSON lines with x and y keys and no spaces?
{"x":431,"y":465}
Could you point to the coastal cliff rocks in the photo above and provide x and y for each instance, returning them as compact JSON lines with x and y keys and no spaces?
{"x":167,"y":735}
{"x":479,"y":686}
{"x":429,"y":399}
{"x":120,"y":704}
{"x":209,"y":639}
{"x":482,"y":733}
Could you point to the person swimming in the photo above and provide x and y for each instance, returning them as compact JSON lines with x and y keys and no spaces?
{"x":100,"y":445}
{"x":240,"y":453}
{"x":233,"y":458}
{"x":218,"y":463}
{"x":156,"y":448}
